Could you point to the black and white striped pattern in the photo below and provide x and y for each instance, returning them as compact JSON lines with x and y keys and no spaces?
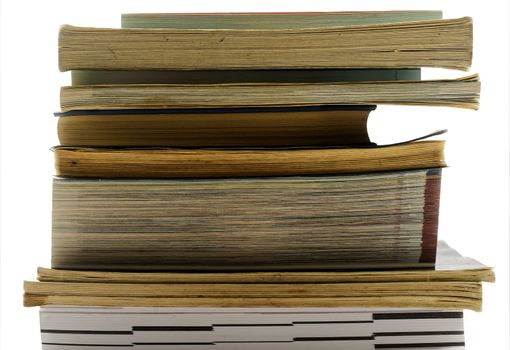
{"x":95,"y":328}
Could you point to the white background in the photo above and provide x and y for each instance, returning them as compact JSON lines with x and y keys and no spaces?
{"x":474,"y":208}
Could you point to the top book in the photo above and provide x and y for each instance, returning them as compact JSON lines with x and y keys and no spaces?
{"x":272,"y":20}
{"x":411,"y":44}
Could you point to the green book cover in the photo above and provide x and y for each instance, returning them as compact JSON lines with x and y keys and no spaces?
{"x":284,"y":20}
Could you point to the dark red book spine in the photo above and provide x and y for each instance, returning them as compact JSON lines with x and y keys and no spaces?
{"x":431,"y":217}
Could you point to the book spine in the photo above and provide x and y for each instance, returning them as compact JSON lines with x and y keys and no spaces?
{"x":431,"y":216}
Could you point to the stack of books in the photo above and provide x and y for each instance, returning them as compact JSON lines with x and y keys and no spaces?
{"x":217,"y":187}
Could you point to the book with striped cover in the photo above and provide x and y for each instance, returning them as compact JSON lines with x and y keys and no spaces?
{"x":103,"y":328}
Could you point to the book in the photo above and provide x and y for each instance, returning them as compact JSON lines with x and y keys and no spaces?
{"x":250,"y":328}
{"x":158,"y":162}
{"x":454,"y":283}
{"x":380,"y":220}
{"x":272,"y":20}
{"x":105,"y":77}
{"x":217,"y":127}
{"x":439,"y":43}
{"x":463,"y":93}
{"x":255,"y":21}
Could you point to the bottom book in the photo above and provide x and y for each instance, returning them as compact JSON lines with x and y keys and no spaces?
{"x":111,"y":328}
